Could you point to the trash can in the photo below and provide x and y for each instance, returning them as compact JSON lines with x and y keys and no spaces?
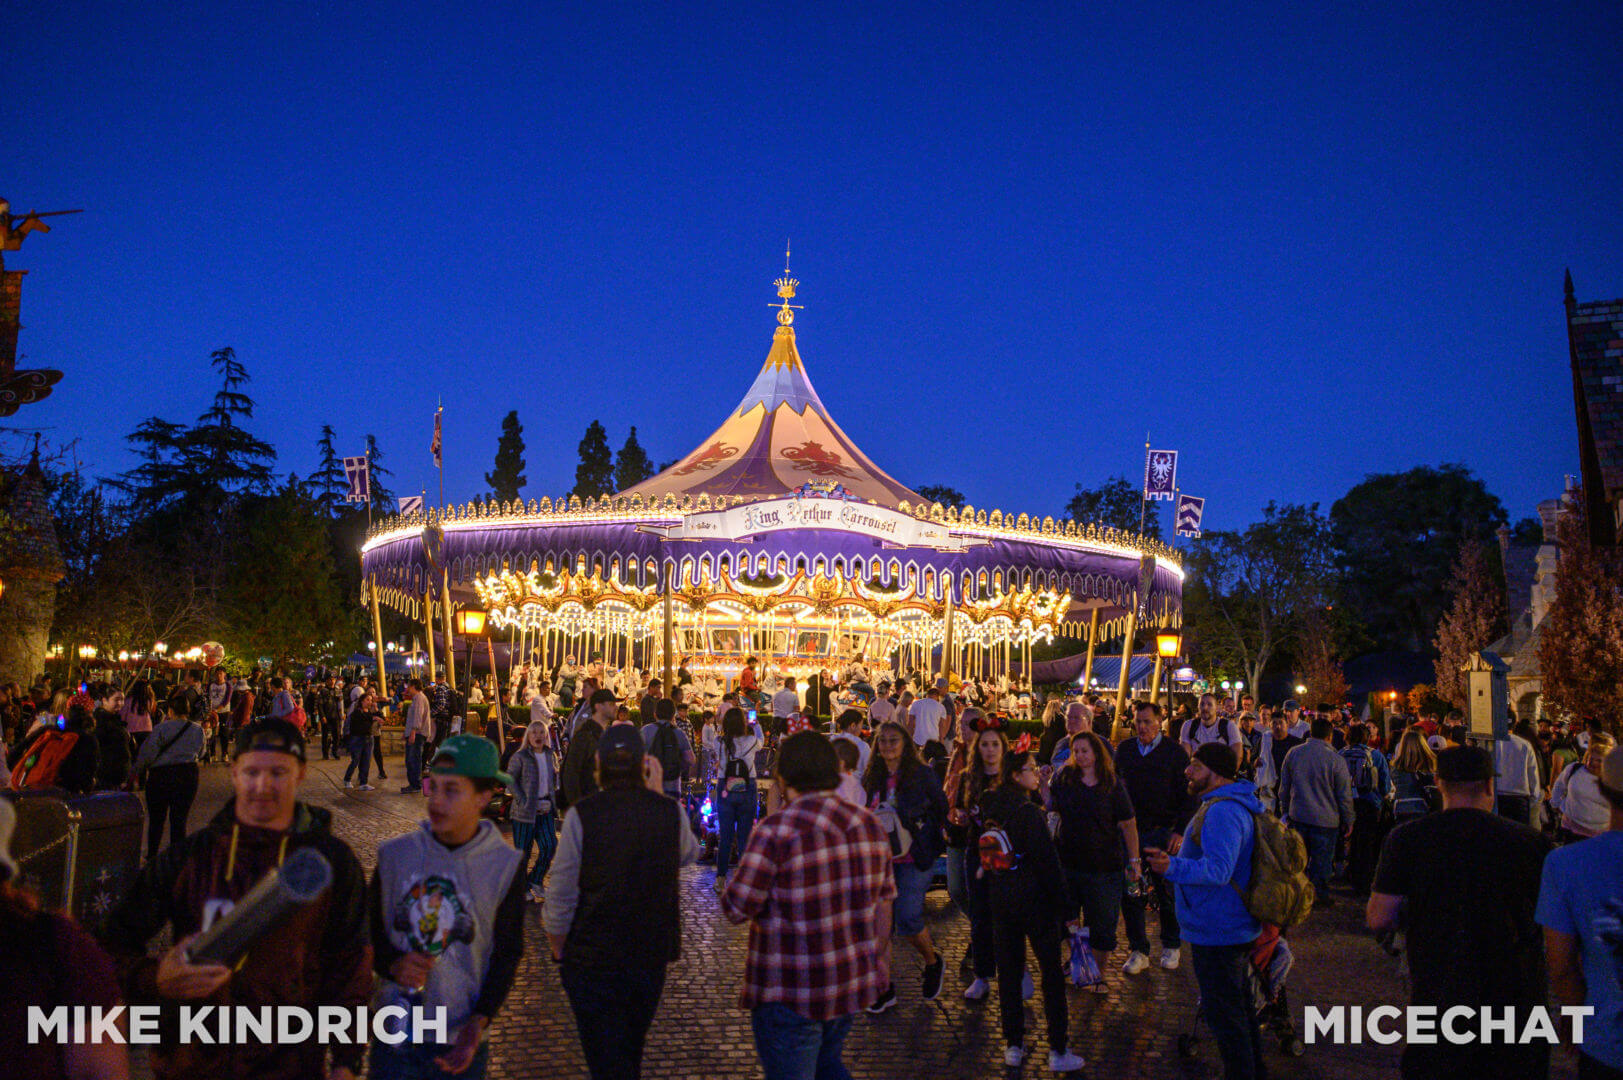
{"x":79,"y":853}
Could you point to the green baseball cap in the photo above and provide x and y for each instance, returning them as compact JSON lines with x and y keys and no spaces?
{"x":472,"y":756}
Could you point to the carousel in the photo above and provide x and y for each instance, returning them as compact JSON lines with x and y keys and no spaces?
{"x":776,"y":538}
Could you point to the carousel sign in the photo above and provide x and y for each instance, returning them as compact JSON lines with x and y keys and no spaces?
{"x":741,"y":523}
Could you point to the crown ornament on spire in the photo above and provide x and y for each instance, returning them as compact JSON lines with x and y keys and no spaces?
{"x":786,"y":292}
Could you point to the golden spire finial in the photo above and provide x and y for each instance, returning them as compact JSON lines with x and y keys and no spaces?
{"x":786,"y":291}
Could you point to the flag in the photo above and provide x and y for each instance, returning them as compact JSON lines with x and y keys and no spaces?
{"x":411,"y":504}
{"x":360,"y":479}
{"x":1186,"y":522}
{"x":434,"y":447}
{"x":1160,"y":474}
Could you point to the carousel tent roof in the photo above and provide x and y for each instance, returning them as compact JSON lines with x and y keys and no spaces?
{"x":778,"y":438}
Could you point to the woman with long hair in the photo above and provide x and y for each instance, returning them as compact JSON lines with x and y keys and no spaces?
{"x":139,"y":706}
{"x":1026,"y":895}
{"x":740,"y":793}
{"x":1414,"y":773}
{"x":906,"y":796}
{"x":1096,"y":828}
{"x":168,"y":761}
{"x":534,"y":768}
{"x":957,"y":834}
{"x":1053,"y":731}
{"x":980,"y":780}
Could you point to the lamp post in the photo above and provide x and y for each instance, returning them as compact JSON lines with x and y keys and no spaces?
{"x":1166,"y":650}
{"x":1239,"y":684}
{"x":470,"y":623}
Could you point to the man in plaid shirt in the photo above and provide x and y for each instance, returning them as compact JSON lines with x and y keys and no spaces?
{"x":816,"y":884}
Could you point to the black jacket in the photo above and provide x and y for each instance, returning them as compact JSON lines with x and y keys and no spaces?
{"x":113,"y":741}
{"x":579,"y":772}
{"x":1156,"y":784}
{"x":920,"y":804}
{"x":1035,"y":888}
{"x":628,"y":916}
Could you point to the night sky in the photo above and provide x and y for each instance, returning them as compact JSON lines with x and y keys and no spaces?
{"x":1300,"y":246}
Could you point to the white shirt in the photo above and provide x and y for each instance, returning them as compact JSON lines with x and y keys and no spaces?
{"x":1577,"y":795}
{"x":1196,"y":734}
{"x":864,"y":752}
{"x":785,"y":702}
{"x":744,"y":749}
{"x":1517,"y":766}
{"x":881,"y":710}
{"x":925,"y":716}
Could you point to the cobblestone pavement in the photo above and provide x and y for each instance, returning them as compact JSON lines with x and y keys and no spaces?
{"x":700,"y":1032}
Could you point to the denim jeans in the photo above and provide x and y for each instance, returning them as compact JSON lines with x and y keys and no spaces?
{"x":414,"y":762}
{"x":543,"y":833}
{"x":415,"y":1061}
{"x":1230,"y":1011}
{"x":613,"y":1011}
{"x":735,"y":814}
{"x":360,"y":757}
{"x":1133,"y":907}
{"x":795,"y":1048}
{"x":1321,"y":854}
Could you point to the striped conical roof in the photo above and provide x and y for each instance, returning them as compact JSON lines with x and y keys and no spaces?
{"x":777,"y":439}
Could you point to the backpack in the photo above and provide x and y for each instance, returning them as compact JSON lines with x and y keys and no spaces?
{"x":1191,"y":725}
{"x":42,"y":765}
{"x":890,"y":823}
{"x":735,"y":775}
{"x":668,"y":751}
{"x":1279,"y":893}
{"x":1361,"y":764}
{"x":297,"y":717}
{"x":997,"y":852}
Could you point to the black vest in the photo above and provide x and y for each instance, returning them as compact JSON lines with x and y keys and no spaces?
{"x":627,"y":916}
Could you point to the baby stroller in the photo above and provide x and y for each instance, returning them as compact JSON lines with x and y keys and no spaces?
{"x":1271,"y":961}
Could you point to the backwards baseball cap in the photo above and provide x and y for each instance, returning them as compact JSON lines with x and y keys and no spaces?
{"x":472,"y":756}
{"x":271,"y":734}
{"x":1220,"y":758}
{"x":620,"y":745}
{"x":1462,"y":764}
{"x":600,"y":696}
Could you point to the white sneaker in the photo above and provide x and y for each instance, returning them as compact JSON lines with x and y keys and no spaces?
{"x":364,"y":787}
{"x":538,"y":895}
{"x":977,"y":990}
{"x":1066,"y":1062}
{"x":1013,"y":1056}
{"x":1170,"y":958}
{"x":1137,"y":963}
{"x":1028,"y":989}
{"x":349,"y":783}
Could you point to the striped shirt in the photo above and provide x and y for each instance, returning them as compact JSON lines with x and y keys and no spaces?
{"x":810,"y":882}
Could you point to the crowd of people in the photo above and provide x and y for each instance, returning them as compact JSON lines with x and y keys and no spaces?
{"x":827,"y":833}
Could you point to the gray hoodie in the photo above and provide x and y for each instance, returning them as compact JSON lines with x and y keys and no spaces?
{"x":1315,"y":787}
{"x":443,"y":902}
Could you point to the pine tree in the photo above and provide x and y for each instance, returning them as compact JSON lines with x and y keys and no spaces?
{"x":594,"y":476}
{"x":329,"y":483}
{"x":382,"y":497}
{"x":631,"y":465}
{"x":225,"y":458}
{"x":507,"y":480}
{"x":1475,"y":618}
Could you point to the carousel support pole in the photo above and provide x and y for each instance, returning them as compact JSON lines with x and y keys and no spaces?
{"x":669,"y":639}
{"x":428,"y":624}
{"x":445,"y":621}
{"x":1093,"y":636}
{"x":1126,"y":665}
{"x":496,"y":698}
{"x":377,"y":636}
{"x":947,"y":642}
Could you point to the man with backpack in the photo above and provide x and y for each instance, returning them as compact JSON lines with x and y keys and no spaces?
{"x":1371,"y":783}
{"x":1211,"y":875}
{"x":1207,"y":727}
{"x":670,"y":746}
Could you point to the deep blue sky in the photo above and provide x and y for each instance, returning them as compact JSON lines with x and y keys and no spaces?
{"x":1298,"y":246}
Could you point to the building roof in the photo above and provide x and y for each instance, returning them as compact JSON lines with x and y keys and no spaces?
{"x":778,"y":438}
{"x":1595,"y":336}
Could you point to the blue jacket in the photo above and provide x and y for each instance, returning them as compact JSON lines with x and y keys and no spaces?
{"x":1214,"y":866}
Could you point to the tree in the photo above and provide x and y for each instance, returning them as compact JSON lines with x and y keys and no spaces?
{"x":1397,"y":536}
{"x":1475,"y":618}
{"x":289,"y":606}
{"x":1246,"y":593}
{"x":631,"y":464}
{"x":594,"y":476}
{"x":1318,"y":653}
{"x":1580,"y":650}
{"x":382,"y":497}
{"x":1115,"y":503}
{"x":508,"y":479}
{"x":941,"y":493}
{"x":227,"y":459}
{"x":329,"y":483}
